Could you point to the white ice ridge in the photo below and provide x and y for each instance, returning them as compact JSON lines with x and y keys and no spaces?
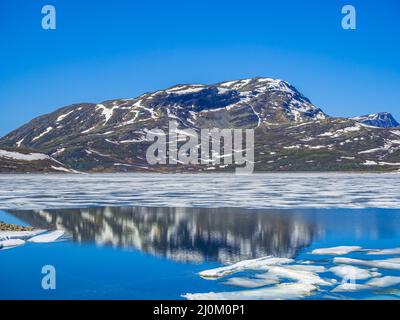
{"x":254,"y":264}
{"x":337,"y":250}
{"x":282,"y":291}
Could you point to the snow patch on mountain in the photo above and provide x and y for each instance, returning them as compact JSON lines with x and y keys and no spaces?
{"x":186,"y":89}
{"x":106,"y":112}
{"x":25,"y":157}
{"x":140,"y":105}
{"x":42,"y":134}
{"x":18,"y":144}
{"x":63,"y":116}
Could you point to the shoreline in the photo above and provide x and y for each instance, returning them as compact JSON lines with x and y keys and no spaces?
{"x":14,"y":227}
{"x":394,"y":171}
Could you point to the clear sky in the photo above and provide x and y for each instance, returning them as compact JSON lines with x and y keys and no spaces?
{"x":116,"y":49}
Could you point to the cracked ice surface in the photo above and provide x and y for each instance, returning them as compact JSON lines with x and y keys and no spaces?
{"x":277,"y":191}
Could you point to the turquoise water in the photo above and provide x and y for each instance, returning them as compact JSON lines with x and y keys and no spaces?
{"x":157,"y":253}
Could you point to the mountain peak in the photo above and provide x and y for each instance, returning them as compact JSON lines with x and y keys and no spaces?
{"x":246,"y":84}
{"x":253,"y":83}
{"x":380,"y":120}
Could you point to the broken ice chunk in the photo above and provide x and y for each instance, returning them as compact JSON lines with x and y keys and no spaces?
{"x":11,"y":243}
{"x":282,"y":291}
{"x":47,"y":237}
{"x":254,"y":264}
{"x":337,"y":250}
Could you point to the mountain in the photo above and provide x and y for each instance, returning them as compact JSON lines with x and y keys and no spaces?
{"x":291,"y":134}
{"x":26,"y":161}
{"x":381,"y":120}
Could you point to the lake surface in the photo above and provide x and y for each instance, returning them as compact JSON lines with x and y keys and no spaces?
{"x":280,"y":190}
{"x":154,"y":237}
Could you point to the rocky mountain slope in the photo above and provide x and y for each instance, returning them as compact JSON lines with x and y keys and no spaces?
{"x":290,"y":132}
{"x":23,"y":160}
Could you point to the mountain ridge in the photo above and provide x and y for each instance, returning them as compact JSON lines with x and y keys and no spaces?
{"x":297,"y":136}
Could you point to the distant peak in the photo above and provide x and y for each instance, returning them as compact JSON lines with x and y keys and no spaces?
{"x":379,"y":119}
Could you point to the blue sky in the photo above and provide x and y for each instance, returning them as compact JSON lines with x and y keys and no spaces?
{"x":113,"y":49}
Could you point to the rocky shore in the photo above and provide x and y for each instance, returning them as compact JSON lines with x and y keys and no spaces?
{"x":13,"y":227}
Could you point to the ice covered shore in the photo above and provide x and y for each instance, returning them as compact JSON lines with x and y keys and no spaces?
{"x":12,"y":239}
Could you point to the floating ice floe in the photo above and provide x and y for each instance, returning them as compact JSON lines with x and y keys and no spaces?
{"x":11,"y":239}
{"x":393,"y":264}
{"x":384,"y":251}
{"x":305,"y":277}
{"x":305,"y":274}
{"x":47,"y":237}
{"x":382,"y":282}
{"x":260,"y":281}
{"x":353,"y":272}
{"x":299,"y":275}
{"x":282,"y":291}
{"x":337,"y":250}
{"x":10,"y":243}
{"x":310,"y":268}
{"x":285,"y":278}
{"x":254,"y":264}
{"x":20,"y":234}
{"x":346,"y":287}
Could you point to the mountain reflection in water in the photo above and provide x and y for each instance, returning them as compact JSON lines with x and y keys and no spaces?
{"x":183,"y":234}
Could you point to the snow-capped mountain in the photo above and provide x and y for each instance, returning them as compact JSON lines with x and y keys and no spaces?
{"x":290,"y":132}
{"x":235,"y":104}
{"x":381,"y":120}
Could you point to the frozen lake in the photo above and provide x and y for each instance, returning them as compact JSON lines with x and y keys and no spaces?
{"x":308,"y":190}
{"x":216,"y":236}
